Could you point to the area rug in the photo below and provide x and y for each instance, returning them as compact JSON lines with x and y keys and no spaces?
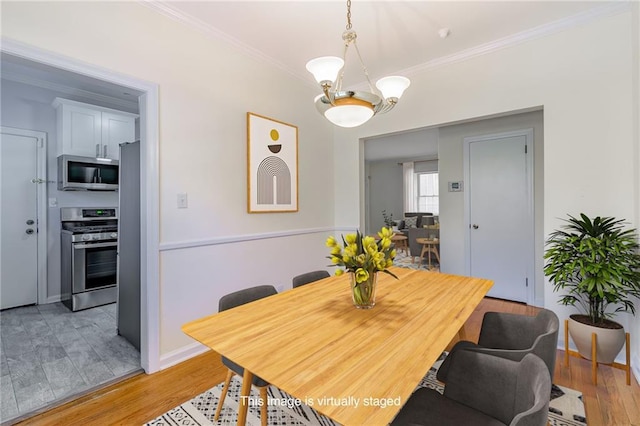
{"x":403,"y":260}
{"x":565,"y":409}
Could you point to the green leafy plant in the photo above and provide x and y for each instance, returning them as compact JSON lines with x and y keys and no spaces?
{"x":597,"y":262}
{"x":388,"y":219}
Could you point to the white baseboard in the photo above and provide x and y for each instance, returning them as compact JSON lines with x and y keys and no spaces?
{"x":53,"y":299}
{"x":182,"y":354}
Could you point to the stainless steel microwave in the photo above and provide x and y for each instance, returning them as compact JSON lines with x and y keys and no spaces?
{"x":86,"y":173}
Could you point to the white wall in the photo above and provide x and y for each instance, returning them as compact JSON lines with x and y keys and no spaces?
{"x":205,"y":89}
{"x":584,"y":78}
{"x":28,"y":107}
{"x":408,"y":146}
{"x":634,"y":323}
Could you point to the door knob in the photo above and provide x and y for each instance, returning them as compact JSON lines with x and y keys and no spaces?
{"x":475,"y":226}
{"x":29,"y":231}
{"x":30,"y":222}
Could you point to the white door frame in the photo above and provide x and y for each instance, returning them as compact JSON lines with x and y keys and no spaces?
{"x":149,"y":191}
{"x":528,"y":134}
{"x":41,"y":204}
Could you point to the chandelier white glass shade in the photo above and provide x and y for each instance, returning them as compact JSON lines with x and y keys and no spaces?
{"x":348,"y":108}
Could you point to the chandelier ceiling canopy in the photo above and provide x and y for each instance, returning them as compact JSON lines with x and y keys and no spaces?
{"x":348,"y":108}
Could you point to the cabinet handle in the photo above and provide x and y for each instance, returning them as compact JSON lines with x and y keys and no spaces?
{"x":105,"y":151}
{"x":97,"y":150}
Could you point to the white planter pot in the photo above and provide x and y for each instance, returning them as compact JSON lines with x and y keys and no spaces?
{"x":609,"y":341}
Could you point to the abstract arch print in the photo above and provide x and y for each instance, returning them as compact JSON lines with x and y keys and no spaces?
{"x":274,"y":173}
{"x":272,"y":165}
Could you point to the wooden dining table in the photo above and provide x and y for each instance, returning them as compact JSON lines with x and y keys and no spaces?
{"x":355,"y":366}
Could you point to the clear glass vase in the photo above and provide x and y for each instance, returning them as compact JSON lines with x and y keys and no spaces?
{"x":364,"y":293}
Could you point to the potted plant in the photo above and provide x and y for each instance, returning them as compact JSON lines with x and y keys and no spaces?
{"x":596,"y":262}
{"x":388,"y":220}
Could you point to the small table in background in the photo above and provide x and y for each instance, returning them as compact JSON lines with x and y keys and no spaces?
{"x":428,"y":247}
{"x":400,"y":240}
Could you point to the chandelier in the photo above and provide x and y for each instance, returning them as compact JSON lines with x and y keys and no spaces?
{"x":347,"y":108}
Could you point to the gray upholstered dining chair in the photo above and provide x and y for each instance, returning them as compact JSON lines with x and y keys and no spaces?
{"x":309,"y":277}
{"x":483,"y":390}
{"x":229,"y":301}
{"x":513,"y":336}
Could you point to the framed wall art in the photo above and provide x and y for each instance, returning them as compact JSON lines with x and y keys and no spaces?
{"x":272,"y":165}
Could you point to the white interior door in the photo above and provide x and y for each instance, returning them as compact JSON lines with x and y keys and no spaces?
{"x":21,"y":177}
{"x":500,"y":213}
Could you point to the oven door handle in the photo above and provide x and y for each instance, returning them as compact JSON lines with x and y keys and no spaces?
{"x":77,"y":246}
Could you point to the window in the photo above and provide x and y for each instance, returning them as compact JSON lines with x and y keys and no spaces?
{"x":428,"y":193}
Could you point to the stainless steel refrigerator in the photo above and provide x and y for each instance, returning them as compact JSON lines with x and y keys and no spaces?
{"x":128,"y":302}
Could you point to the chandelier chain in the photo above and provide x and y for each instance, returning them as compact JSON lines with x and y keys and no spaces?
{"x":349,"y":37}
{"x":364,"y":68}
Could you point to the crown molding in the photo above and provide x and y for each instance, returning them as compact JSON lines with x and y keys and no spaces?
{"x":609,"y":9}
{"x":67,"y":90}
{"x":166,"y":9}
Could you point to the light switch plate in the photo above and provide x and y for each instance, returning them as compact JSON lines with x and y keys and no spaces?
{"x":182,"y":200}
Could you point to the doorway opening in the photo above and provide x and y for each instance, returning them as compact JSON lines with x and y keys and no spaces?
{"x":146,"y":95}
{"x":453,"y":225}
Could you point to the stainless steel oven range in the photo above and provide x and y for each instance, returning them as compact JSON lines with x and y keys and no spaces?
{"x":89,"y":243}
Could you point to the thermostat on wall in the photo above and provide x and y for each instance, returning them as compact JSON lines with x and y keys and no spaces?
{"x":455,"y":186}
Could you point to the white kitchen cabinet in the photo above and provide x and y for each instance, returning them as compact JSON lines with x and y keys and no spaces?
{"x":91,"y":131}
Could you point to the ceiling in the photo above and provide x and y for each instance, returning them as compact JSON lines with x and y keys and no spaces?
{"x":394,"y":37}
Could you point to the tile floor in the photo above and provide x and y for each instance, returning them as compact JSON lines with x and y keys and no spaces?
{"x":49,"y":353}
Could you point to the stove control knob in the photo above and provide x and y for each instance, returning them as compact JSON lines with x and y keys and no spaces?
{"x":114,"y":235}
{"x":86,"y":237}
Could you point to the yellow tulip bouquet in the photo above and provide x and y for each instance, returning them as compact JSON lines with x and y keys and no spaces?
{"x":363,"y":257}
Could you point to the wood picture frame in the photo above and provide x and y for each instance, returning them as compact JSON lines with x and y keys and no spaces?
{"x":272,"y":165}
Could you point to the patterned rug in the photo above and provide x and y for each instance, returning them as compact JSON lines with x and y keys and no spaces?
{"x":565,"y":409}
{"x":405,"y":261}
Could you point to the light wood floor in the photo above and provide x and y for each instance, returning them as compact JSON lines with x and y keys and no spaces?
{"x":144,"y":397}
